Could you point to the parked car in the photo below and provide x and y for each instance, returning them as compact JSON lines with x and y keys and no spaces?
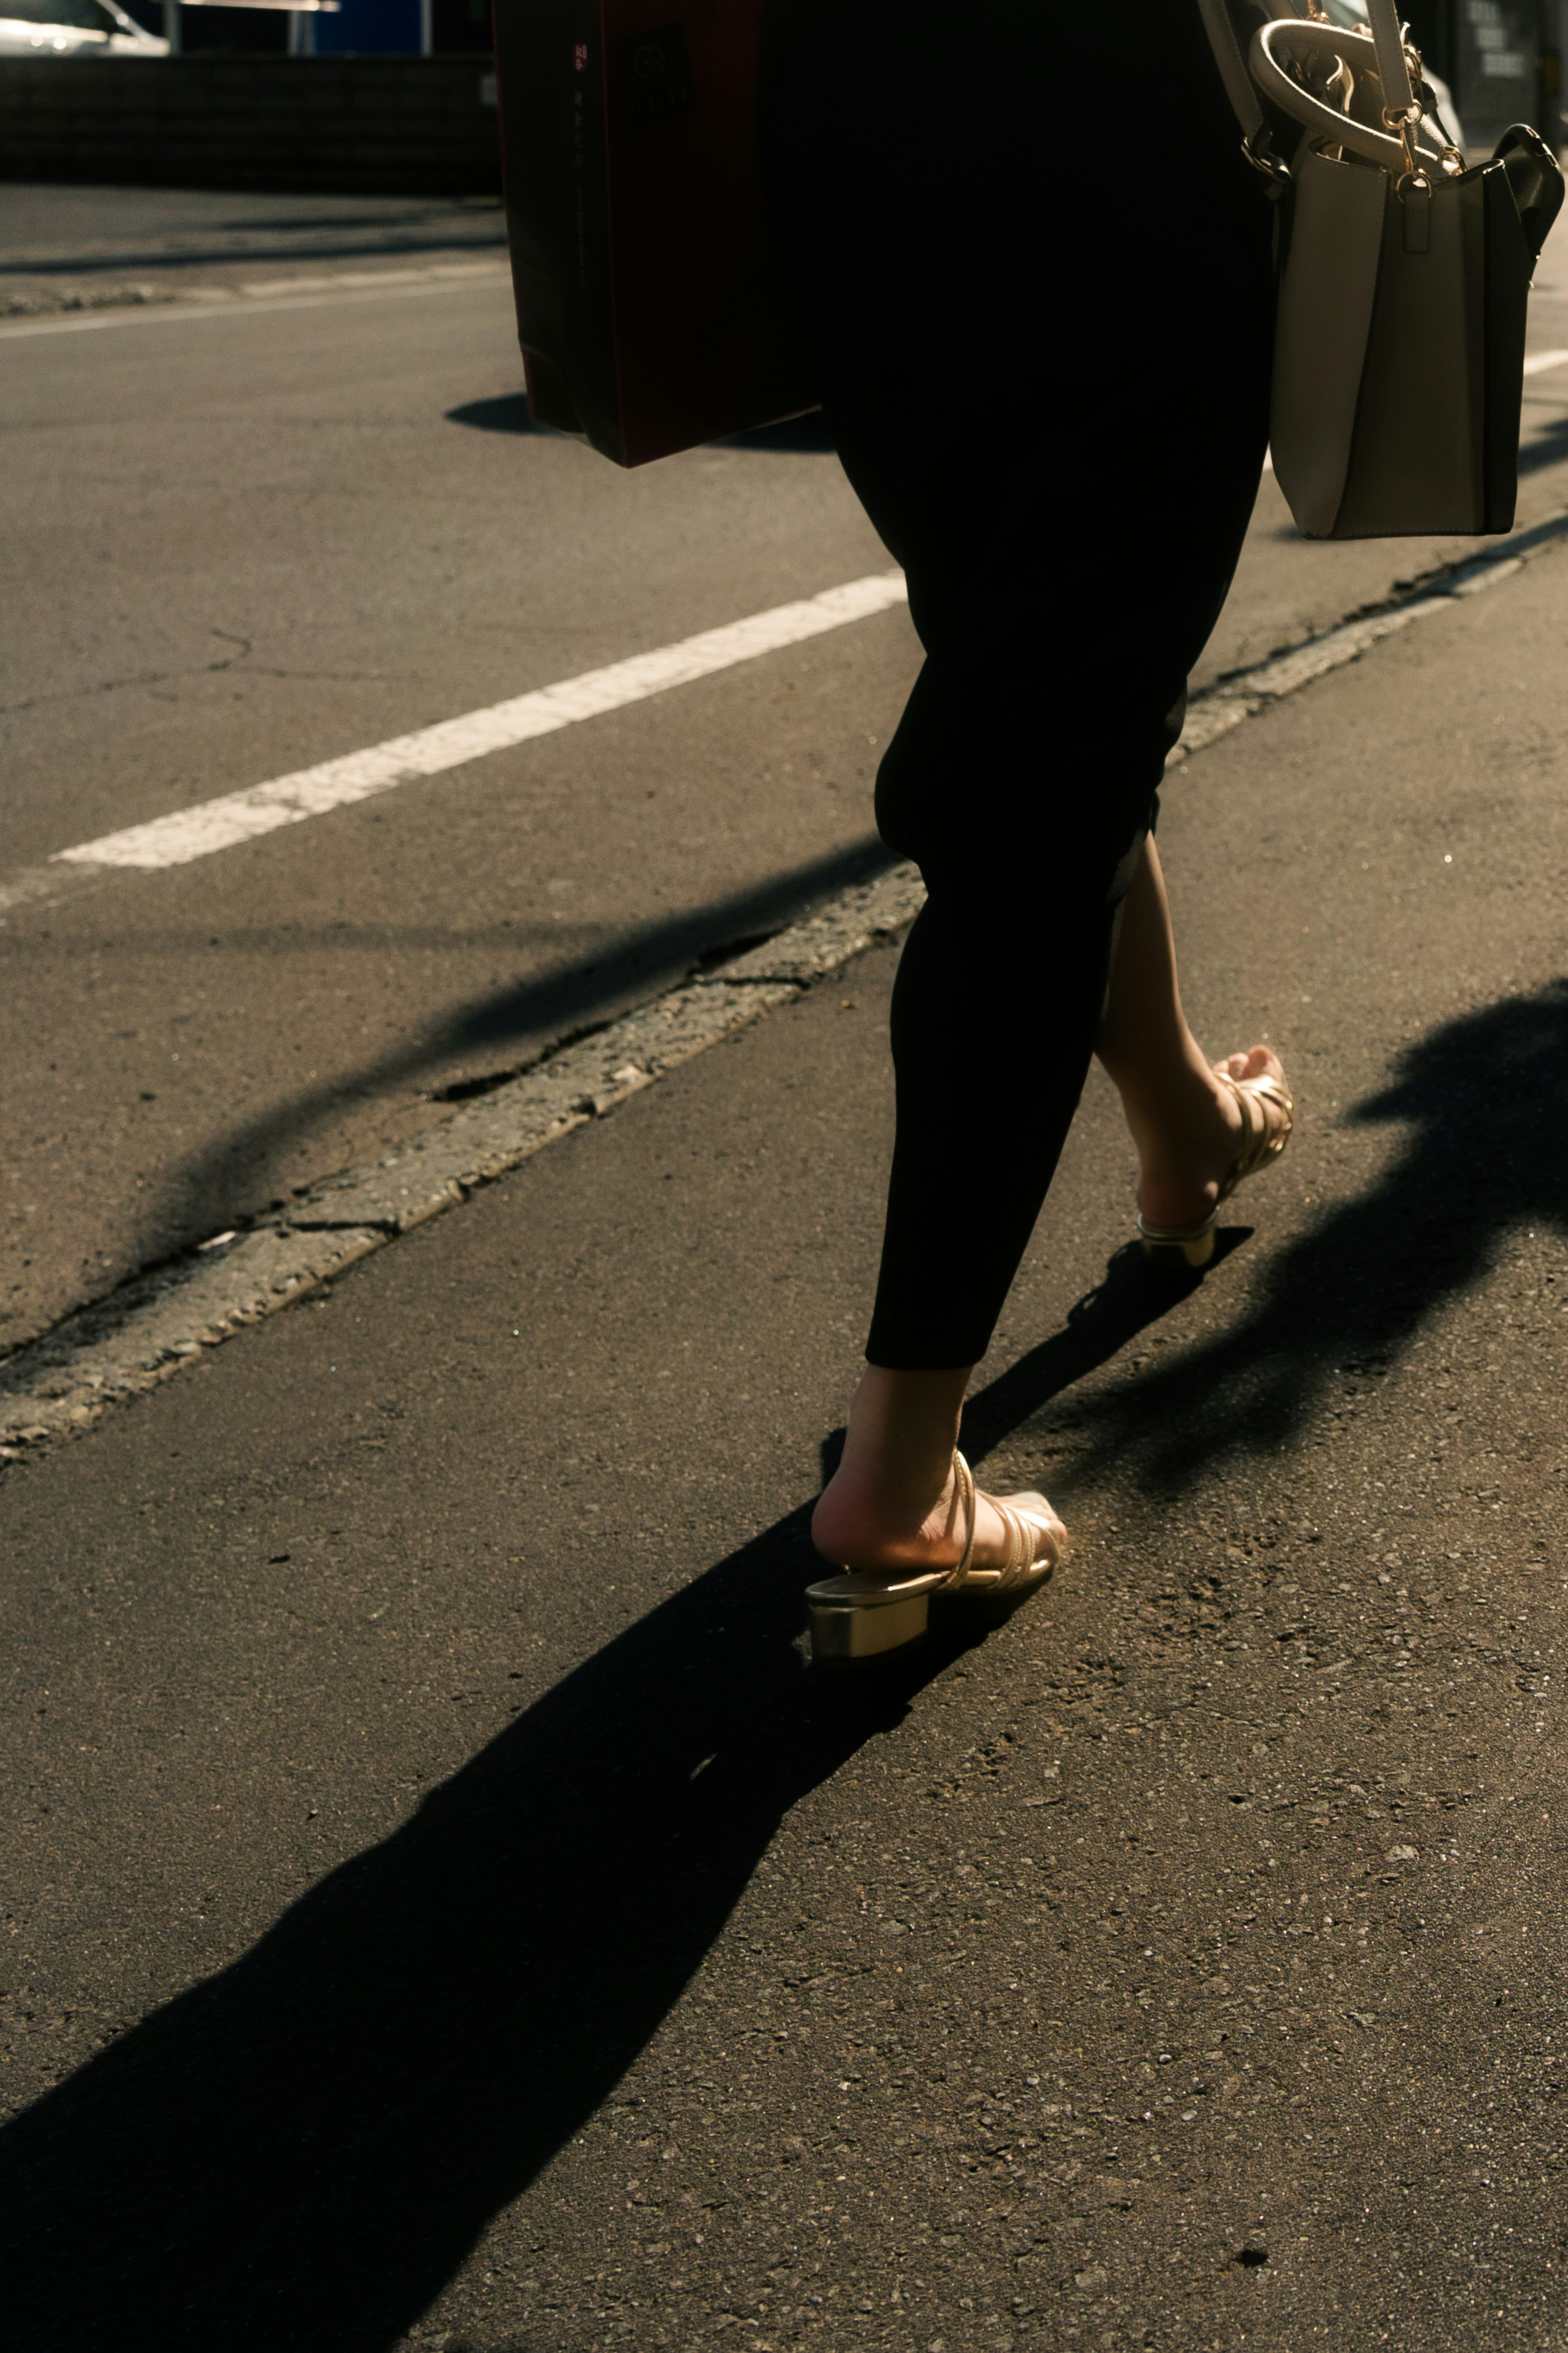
{"x":73,"y":28}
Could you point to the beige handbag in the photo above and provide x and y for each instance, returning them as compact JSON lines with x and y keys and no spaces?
{"x":1399,"y":356}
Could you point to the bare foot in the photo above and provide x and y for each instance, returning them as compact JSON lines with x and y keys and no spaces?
{"x":893,"y":1502}
{"x":1189,"y":1135}
{"x":855,"y":1526}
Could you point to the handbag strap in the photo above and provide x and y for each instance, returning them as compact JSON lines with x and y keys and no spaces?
{"x":1392,"y":66}
{"x":1234,"y":69}
{"x":1230,"y":56}
{"x":1289,"y":24}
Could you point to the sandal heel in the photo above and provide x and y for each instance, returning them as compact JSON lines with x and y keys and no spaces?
{"x":841,"y":1632}
{"x":1179,"y":1259}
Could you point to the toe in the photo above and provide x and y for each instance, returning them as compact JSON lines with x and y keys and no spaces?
{"x":1256,"y":1062}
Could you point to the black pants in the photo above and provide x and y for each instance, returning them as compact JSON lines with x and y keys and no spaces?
{"x":1032,"y":272}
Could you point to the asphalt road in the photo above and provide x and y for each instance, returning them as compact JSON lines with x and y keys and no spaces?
{"x":88,"y":249}
{"x":443,"y":1910}
{"x":243,"y":542}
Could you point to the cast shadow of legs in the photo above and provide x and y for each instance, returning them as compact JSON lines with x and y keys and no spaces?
{"x":1486,"y":1098}
{"x":297,"y":2155}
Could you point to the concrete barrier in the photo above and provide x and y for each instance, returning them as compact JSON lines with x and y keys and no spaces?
{"x":397,"y":125}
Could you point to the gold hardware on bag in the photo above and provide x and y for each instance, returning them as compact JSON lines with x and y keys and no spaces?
{"x":1416,"y":209}
{"x":1257,"y":146}
{"x":1399,"y":343}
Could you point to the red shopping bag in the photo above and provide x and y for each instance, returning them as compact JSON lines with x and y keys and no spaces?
{"x":649,"y":304}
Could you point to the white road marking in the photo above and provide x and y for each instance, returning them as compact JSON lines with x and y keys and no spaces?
{"x":361,"y":286}
{"x":185,"y":834}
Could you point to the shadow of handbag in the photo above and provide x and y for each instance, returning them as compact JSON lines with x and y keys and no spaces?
{"x":1404,"y":276}
{"x":650,"y":308}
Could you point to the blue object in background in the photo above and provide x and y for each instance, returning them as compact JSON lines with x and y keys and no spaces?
{"x":368,"y":26}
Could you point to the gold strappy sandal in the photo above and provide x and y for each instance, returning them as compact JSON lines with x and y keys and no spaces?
{"x":866,"y":1612}
{"x":1186,"y":1250}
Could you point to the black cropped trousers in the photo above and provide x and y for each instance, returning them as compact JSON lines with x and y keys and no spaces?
{"x":1033,"y":272}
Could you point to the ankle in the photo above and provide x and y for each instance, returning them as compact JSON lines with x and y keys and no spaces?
{"x":894,"y":1484}
{"x":1166,"y":1088}
{"x":902,"y":1430}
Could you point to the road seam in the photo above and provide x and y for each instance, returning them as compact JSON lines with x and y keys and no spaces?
{"x":159,"y":1322}
{"x":279,"y":294}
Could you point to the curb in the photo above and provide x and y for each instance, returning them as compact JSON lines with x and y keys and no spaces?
{"x":144,"y":1333}
{"x":160,"y":1321}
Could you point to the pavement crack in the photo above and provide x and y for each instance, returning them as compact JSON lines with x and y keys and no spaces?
{"x":146,"y":1330}
{"x":144,"y":678}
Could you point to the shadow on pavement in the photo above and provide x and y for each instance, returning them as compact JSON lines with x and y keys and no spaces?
{"x":301,"y":2151}
{"x":1546,"y":446}
{"x":507,"y":1031}
{"x":808,"y":434}
{"x":1486,"y":1098}
{"x":509,"y":413}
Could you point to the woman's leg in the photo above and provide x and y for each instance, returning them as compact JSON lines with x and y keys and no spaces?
{"x":892,"y":1503}
{"x":1067,"y":494}
{"x":1186,"y":1125}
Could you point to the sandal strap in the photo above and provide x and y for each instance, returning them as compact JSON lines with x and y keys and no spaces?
{"x":1260,"y":1143}
{"x":1023,"y":1539}
{"x":970,"y":1503}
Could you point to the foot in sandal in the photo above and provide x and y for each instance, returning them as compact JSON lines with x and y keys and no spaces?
{"x":903,"y":1519}
{"x":1214,"y":1128}
{"x":1199,"y":1127}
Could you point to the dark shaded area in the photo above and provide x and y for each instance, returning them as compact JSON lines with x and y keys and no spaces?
{"x":509,"y":413}
{"x":1486,"y":1100}
{"x":296,"y":2155}
{"x":807,"y":435}
{"x":1547,"y":447}
{"x":506,"y":412}
{"x":224,"y":115}
{"x":216,"y":1186}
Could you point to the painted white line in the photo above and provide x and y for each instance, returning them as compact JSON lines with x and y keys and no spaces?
{"x":387,"y":285}
{"x":175,"y":839}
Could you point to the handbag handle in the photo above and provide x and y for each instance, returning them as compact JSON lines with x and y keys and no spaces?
{"x":1292,"y":28}
{"x":1322,"y":122}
